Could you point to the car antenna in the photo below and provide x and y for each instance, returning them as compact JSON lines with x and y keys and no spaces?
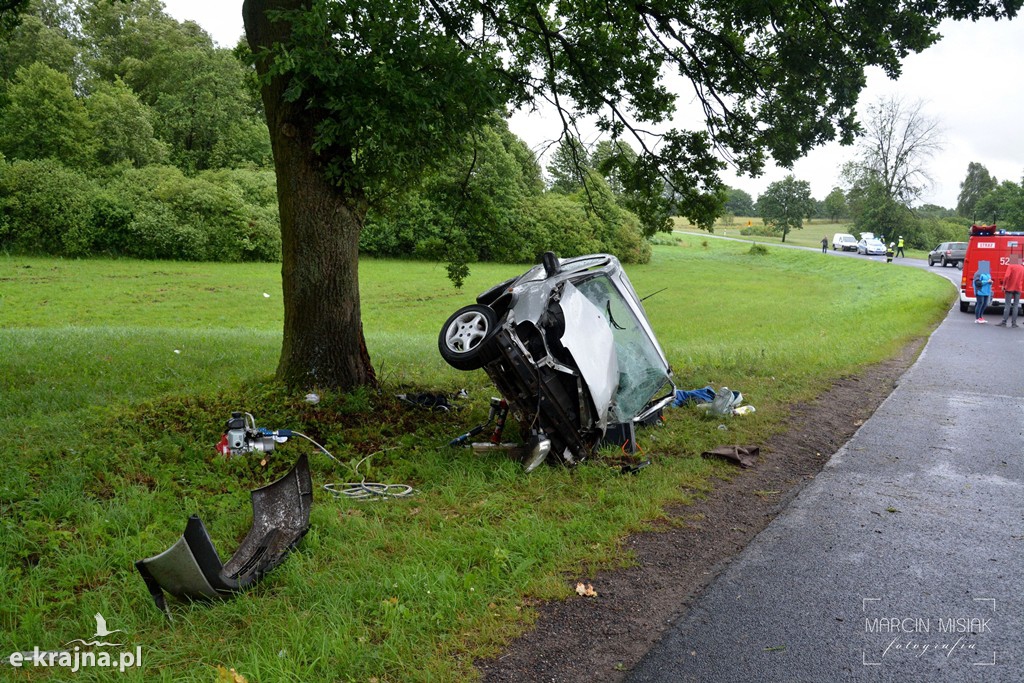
{"x":653,"y":293}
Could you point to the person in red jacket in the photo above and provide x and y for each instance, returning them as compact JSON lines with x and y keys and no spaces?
{"x":1013,"y":283}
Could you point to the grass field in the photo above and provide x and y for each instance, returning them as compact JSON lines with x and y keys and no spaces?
{"x":116,"y":378}
{"x":808,"y":236}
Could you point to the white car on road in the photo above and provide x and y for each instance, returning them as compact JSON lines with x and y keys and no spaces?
{"x":871,"y":247}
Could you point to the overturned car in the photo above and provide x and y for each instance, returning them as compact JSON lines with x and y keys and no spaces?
{"x":569,"y":347}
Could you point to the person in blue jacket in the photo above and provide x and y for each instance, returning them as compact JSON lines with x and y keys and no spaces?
{"x":982,"y":294}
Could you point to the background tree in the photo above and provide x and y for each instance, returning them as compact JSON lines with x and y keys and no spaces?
{"x":738,"y":202}
{"x":891,"y":172}
{"x":1003,"y":205}
{"x":44,"y":120}
{"x":609,"y":158}
{"x":10,"y":15}
{"x":834,"y":205}
{"x":874,"y":210}
{"x":126,"y":40}
{"x":568,"y":166}
{"x":976,"y":185}
{"x":201,"y":95}
{"x":74,"y":132}
{"x":815,"y":209}
{"x":784,"y":205}
{"x":365,"y":94}
{"x":898,"y":142}
{"x":123,"y":127}
{"x":202,"y":110}
{"x":935,"y":211}
{"x":636,"y":185}
{"x":48,"y":35}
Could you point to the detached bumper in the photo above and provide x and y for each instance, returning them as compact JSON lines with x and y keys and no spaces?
{"x":191,"y":568}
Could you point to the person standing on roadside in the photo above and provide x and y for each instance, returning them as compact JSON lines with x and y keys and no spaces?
{"x":982,"y":294}
{"x":1013,"y":283}
{"x":888,"y":253}
{"x":824,"y":244}
{"x":899,"y":247}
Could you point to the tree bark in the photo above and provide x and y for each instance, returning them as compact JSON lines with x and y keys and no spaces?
{"x":320,"y":226}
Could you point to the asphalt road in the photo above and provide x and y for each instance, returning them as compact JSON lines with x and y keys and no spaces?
{"x":903,"y":560}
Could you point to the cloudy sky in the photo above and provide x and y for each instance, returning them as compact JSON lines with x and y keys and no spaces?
{"x":968,"y":82}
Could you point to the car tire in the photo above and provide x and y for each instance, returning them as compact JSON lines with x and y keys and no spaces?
{"x":942,"y":262}
{"x":965,"y":306}
{"x":465,"y":336}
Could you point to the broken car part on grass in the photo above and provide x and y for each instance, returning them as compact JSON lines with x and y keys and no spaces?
{"x":569,"y":347}
{"x":744,"y":456}
{"x":191,"y":568}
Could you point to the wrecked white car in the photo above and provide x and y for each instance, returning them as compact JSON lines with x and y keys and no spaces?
{"x":569,"y":347}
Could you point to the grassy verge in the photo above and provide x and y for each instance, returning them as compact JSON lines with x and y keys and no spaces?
{"x":808,"y":236}
{"x":116,"y":378}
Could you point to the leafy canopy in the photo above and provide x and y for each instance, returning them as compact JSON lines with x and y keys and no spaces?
{"x":44,"y":119}
{"x":394,"y":85}
{"x":976,"y":185}
{"x":835,"y":206}
{"x":1003,"y":204}
{"x":785,"y":203}
{"x":739,"y":203}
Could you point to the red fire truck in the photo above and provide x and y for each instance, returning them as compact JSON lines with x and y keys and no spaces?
{"x":988,"y":248}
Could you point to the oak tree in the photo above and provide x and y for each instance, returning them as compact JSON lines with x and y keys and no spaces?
{"x":834,"y":205}
{"x":362,"y":96}
{"x":739,"y":203}
{"x":784,"y":205}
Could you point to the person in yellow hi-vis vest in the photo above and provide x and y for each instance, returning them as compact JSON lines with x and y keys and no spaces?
{"x":899,"y":247}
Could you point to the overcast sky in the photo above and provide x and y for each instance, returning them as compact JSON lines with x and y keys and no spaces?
{"x":968,"y":82}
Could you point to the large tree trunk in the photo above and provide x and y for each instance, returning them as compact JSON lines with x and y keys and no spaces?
{"x":320,"y":226}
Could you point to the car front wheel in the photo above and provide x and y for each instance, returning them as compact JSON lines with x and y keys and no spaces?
{"x":464,"y":336}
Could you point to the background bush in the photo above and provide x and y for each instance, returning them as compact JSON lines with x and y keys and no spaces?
{"x":933,"y":231}
{"x":488,"y":204}
{"x":154,"y":212}
{"x":45,"y":208}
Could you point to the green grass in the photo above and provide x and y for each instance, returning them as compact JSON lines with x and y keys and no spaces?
{"x":109,"y":437}
{"x":808,"y":236}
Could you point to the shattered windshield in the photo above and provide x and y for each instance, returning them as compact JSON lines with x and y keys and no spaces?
{"x":642,"y":372}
